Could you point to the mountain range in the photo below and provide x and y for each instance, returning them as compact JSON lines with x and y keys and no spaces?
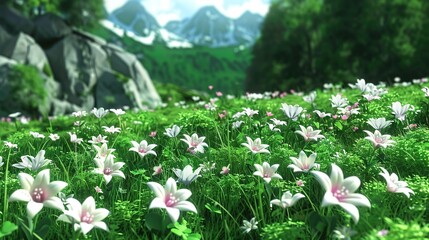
{"x":207,"y":27}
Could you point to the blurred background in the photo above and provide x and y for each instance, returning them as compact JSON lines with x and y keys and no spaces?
{"x":147,"y":48}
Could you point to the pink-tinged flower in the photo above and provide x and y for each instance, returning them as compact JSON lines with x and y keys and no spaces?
{"x":111,"y":129}
{"x":100,"y":112}
{"x":256,"y":146}
{"x":379,"y":140}
{"x":38,"y":192}
{"x":303,"y":163}
{"x":85,"y":216}
{"x":379,"y":123}
{"x":195,"y":143}
{"x":340,"y":191}
{"x":309,"y":134}
{"x":291,"y":112}
{"x":75,"y":139}
{"x":157,"y":170}
{"x":54,"y":137}
{"x":400,"y":111}
{"x":269,"y":114}
{"x":103,"y":151}
{"x":225,"y":170}
{"x":173,"y":131}
{"x":300,"y":183}
{"x":287,"y":200}
{"x":310,"y":98}
{"x":267,"y":172}
{"x":33,"y":163}
{"x":383,"y":232}
{"x":10,"y":145}
{"x":210,"y":87}
{"x":118,"y":111}
{"x":109,"y":168}
{"x":152,"y":134}
{"x":37,"y":135}
{"x":98,"y":139}
{"x":98,"y":189}
{"x":78,"y":123}
{"x":393,"y":183}
{"x":143,"y":148}
{"x":219,"y":94}
{"x":171,"y":199}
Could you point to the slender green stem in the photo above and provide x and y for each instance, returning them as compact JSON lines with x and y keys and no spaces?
{"x":6,"y":178}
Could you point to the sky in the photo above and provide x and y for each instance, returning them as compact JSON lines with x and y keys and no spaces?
{"x":167,"y":10}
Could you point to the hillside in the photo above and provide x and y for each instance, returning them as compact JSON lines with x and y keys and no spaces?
{"x":193,"y":68}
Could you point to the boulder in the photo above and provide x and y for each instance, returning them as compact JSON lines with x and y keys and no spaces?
{"x":49,"y":28}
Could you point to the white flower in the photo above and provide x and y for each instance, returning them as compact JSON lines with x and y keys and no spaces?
{"x":100,"y":112}
{"x":1,"y":162}
{"x":304,"y":163}
{"x":38,"y":192}
{"x":171,"y":199}
{"x":195,"y":143}
{"x":33,"y":163}
{"x":310,"y":97}
{"x":309,"y":134}
{"x":249,"y":226}
{"x":343,"y":233}
{"x":256,"y":146}
{"x":98,"y":139}
{"x":85,"y":216}
{"x":267,"y":172}
{"x":10,"y":145}
{"x":278,"y":122}
{"x":250,"y":112}
{"x":287,"y":200}
{"x":225,"y":170}
{"x":379,"y":123}
{"x":426,"y":91}
{"x":291,"y":112}
{"x":338,"y":101}
{"x":273,"y":127}
{"x":322,"y":114}
{"x":143,"y":148}
{"x":393,"y":183}
{"x":74,"y":139}
{"x":361,"y":85}
{"x":54,"y":136}
{"x":37,"y":135}
{"x":79,"y":114}
{"x":111,"y":129}
{"x":118,"y":111}
{"x":157,"y":170}
{"x":400,"y":111}
{"x":103,"y":151}
{"x":173,"y":131}
{"x":237,"y":124}
{"x":340,"y":191}
{"x":108,"y":168}
{"x":379,"y":140}
{"x":187,"y":175}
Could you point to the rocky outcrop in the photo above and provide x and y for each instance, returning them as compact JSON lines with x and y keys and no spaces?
{"x":83,"y":70}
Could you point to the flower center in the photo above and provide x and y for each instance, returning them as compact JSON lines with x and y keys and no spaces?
{"x":340,"y":193}
{"x":107,"y":171}
{"x":170,"y":200}
{"x":86,"y":217}
{"x":142,"y":150}
{"x":266,"y":175}
{"x":38,"y":195}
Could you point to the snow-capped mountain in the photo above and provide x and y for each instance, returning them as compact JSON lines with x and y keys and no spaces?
{"x":208,"y":27}
{"x":133,"y":20}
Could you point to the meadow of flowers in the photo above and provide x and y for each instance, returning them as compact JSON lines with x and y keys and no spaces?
{"x":337,"y":163}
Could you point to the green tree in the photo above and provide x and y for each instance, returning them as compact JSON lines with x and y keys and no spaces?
{"x":305,"y":43}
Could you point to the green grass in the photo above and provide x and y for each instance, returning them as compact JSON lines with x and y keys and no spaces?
{"x":224,"y":201}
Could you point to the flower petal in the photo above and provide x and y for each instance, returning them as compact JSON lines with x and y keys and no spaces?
{"x":33,"y":208}
{"x":351,"y":183}
{"x":186,"y":206}
{"x":157,"y":203}
{"x":352,"y":210}
{"x":157,"y":189}
{"x":20,"y":195}
{"x":85,"y":227}
{"x":54,"y":202}
{"x":323,"y":179}
{"x":26,"y":181}
{"x":174,"y":213}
